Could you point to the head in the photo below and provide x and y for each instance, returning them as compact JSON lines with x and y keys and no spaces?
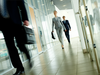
{"x":55,"y":12}
{"x":63,"y":17}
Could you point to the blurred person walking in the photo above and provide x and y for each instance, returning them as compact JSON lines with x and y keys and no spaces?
{"x":10,"y":25}
{"x":56,"y":21}
{"x":68,"y":27}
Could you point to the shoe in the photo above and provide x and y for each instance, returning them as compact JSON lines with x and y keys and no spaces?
{"x":19,"y":73}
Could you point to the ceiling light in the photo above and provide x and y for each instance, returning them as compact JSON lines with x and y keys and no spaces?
{"x":61,"y":0}
{"x":64,"y":5}
{"x":48,"y":9}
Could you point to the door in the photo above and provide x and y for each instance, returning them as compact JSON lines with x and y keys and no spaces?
{"x":35,"y":29}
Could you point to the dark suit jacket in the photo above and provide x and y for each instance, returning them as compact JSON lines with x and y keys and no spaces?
{"x":14,"y":13}
{"x":67,"y":25}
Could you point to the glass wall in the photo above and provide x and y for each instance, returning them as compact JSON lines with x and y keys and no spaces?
{"x":43,"y":14}
{"x":91,"y":16}
{"x":94,"y":17}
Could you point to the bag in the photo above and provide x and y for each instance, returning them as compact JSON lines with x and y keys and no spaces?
{"x":52,"y":34}
{"x":28,"y":35}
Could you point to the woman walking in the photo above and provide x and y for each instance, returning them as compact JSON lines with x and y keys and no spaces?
{"x":59,"y":27}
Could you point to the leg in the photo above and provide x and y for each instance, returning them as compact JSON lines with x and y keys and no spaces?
{"x":20,"y":44}
{"x":14,"y":56}
{"x":23,"y":48}
{"x":58,"y":34}
{"x":61,"y":36}
{"x":68,"y":36}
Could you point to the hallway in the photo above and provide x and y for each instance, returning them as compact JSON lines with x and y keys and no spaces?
{"x":70,"y":61}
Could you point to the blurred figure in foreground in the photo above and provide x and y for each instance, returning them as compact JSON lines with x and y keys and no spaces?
{"x":10,"y":25}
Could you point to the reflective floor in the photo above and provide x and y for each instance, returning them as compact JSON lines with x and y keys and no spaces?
{"x":55,"y":61}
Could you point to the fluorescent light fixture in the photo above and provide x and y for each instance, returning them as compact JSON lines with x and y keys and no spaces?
{"x":61,"y":0}
{"x":64,"y":5}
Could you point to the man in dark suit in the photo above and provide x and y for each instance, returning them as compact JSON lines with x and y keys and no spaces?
{"x":68,"y":27}
{"x":11,"y":19}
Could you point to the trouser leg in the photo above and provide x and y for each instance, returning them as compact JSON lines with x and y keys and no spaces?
{"x":67,"y":35}
{"x":60,"y":35}
{"x":8,"y":33}
{"x":20,"y":44}
{"x":13,"y":52}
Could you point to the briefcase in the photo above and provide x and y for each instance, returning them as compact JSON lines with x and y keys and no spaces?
{"x":53,"y":36}
{"x":28,"y":35}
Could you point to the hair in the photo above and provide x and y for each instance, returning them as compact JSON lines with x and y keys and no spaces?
{"x":63,"y":16}
{"x":54,"y":11}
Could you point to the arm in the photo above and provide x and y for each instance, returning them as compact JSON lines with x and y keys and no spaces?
{"x":69,"y":24}
{"x":23,"y":10}
{"x":52,"y":25}
{"x":63,"y":25}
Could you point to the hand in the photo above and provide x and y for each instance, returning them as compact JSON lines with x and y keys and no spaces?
{"x":52,"y":31}
{"x":70,"y":29}
{"x":26,"y":23}
{"x":65,"y":30}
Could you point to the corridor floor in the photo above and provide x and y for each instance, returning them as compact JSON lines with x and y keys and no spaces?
{"x":70,"y":61}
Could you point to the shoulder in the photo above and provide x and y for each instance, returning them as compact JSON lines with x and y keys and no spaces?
{"x":67,"y":20}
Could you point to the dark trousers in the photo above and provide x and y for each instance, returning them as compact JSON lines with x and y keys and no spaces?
{"x":11,"y":31}
{"x":67,"y":35}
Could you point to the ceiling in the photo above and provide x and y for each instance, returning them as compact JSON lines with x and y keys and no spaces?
{"x":62,"y":4}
